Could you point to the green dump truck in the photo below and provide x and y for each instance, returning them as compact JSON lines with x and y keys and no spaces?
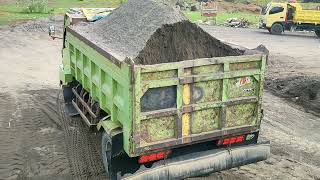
{"x":170,"y":100}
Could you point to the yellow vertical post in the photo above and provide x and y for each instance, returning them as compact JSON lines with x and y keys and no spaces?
{"x":186,"y":116}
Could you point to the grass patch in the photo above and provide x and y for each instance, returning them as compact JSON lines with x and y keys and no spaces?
{"x":195,"y":16}
{"x":10,"y":13}
{"x":84,"y":3}
{"x":13,"y":13}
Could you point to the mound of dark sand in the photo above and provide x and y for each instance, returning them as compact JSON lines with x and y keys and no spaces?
{"x":303,"y":90}
{"x":151,"y":32}
{"x":182,"y":41}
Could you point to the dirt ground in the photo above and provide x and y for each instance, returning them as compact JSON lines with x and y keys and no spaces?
{"x":38,"y":142}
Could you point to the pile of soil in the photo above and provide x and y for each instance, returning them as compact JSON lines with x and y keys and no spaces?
{"x":152,"y":32}
{"x":182,"y":41}
{"x":303,"y":90}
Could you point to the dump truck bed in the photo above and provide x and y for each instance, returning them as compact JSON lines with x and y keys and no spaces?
{"x":305,"y":16}
{"x":171,"y":104}
{"x":178,"y":86}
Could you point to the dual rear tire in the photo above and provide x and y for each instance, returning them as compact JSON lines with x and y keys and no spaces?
{"x":106,"y":149}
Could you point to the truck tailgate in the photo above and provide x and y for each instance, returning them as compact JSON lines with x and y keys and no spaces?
{"x":196,"y":100}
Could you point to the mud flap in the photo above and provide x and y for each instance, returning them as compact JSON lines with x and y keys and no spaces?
{"x":196,"y":164}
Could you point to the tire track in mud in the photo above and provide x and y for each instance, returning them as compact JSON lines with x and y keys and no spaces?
{"x":293,"y":132}
{"x":6,"y":115}
{"x":31,"y":144}
{"x":82,"y":145}
{"x":294,"y":143}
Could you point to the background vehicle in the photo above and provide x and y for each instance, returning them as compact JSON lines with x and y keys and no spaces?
{"x":171,"y":100}
{"x":279,"y":17}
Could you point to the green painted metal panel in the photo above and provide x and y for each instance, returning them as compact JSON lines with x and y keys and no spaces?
{"x":224,"y":93}
{"x":159,"y":75}
{"x":199,"y":62}
{"x":245,"y":65}
{"x":240,"y":115}
{"x":108,"y":125}
{"x":157,"y":129}
{"x":243,"y":87}
{"x":207,"y":91}
{"x":108,"y":84}
{"x":205,"y":120}
{"x":212,"y":68}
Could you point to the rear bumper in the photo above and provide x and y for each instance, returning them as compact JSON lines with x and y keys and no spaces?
{"x":200,"y":163}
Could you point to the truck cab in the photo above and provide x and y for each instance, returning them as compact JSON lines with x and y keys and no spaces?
{"x":274,"y":14}
{"x":278,"y":17}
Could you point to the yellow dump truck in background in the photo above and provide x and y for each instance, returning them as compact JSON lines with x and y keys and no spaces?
{"x":278,"y":17}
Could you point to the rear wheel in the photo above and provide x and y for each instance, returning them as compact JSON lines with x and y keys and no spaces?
{"x":106,"y":144}
{"x":116,"y":162}
{"x":277,"y":28}
{"x":317,"y":33}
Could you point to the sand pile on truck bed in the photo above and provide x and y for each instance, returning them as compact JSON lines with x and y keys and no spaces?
{"x":152,"y":32}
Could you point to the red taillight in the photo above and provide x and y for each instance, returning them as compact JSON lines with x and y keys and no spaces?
{"x":153,"y":157}
{"x":231,"y":140}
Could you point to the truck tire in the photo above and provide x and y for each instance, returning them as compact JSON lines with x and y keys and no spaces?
{"x":277,"y":28}
{"x":106,"y":145}
{"x":115,"y":161}
{"x":317,"y":33}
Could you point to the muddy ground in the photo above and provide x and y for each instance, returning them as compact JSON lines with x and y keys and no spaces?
{"x":38,"y":142}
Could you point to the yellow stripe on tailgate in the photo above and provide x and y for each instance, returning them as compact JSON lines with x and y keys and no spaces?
{"x":186,"y":116}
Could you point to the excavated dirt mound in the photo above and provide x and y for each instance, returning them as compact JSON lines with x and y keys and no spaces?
{"x":303,"y":90}
{"x":151,"y":32}
{"x":182,"y":41}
